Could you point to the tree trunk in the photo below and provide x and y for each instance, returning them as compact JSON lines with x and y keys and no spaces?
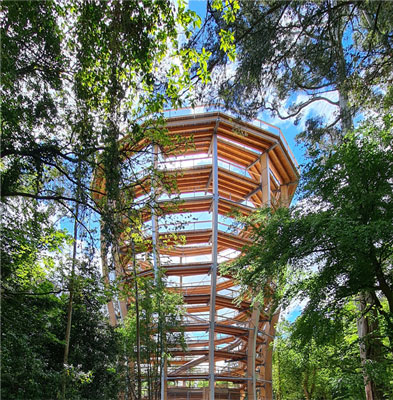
{"x":306,"y":394}
{"x":370,"y":349}
{"x":70,"y":301}
{"x":343,"y":95}
{"x":305,"y":388}
{"x":138,"y":334}
{"x":363,"y":324}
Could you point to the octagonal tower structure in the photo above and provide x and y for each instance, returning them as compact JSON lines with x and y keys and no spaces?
{"x":230,"y":165}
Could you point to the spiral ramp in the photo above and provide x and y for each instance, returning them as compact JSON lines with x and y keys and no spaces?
{"x":230,"y":166}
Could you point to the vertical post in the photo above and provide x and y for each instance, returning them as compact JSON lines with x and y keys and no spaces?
{"x":265,"y":177}
{"x":213,"y":272}
{"x":284,"y":197}
{"x":105,"y":273}
{"x":269,"y":356}
{"x":251,"y":354}
{"x":164,"y":383}
{"x":154,"y":218}
{"x":119,"y":272}
{"x":156,"y":260}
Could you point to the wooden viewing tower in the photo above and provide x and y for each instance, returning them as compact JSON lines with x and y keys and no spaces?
{"x":230,"y":165}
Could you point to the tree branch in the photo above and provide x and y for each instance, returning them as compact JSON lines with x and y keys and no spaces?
{"x":7,"y":292}
{"x":48,"y":197}
{"x":300,"y":107}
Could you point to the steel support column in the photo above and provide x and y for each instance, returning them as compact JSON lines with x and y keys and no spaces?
{"x":155,"y":250}
{"x":213,"y":273}
{"x":154,"y":218}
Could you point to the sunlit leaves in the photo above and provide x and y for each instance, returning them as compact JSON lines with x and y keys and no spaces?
{"x":229,"y":9}
{"x":337,"y":242}
{"x":326,"y":369}
{"x":227,"y":44}
{"x":294,"y":57}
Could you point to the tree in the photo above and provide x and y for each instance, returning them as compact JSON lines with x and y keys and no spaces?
{"x":30,"y":307}
{"x":316,"y":370}
{"x":34,"y":303}
{"x":77,"y":77}
{"x":84,"y":72}
{"x":148,"y":334}
{"x":338,"y":243}
{"x":291,"y":54}
{"x":95,"y":363}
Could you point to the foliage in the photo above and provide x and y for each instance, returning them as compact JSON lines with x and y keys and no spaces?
{"x":331,"y":54}
{"x":29,"y":367}
{"x":335,"y":244}
{"x":29,"y":308}
{"x":291,"y":54}
{"x":313,"y":370}
{"x":78,"y":76}
{"x":31,"y":80}
{"x":33,"y":317}
{"x":149,"y":333}
{"x":28,"y":247}
{"x":95,"y":348}
{"x":84,"y":73}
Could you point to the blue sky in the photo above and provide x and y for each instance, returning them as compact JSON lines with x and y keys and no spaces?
{"x":294,"y":313}
{"x":287,"y":127}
